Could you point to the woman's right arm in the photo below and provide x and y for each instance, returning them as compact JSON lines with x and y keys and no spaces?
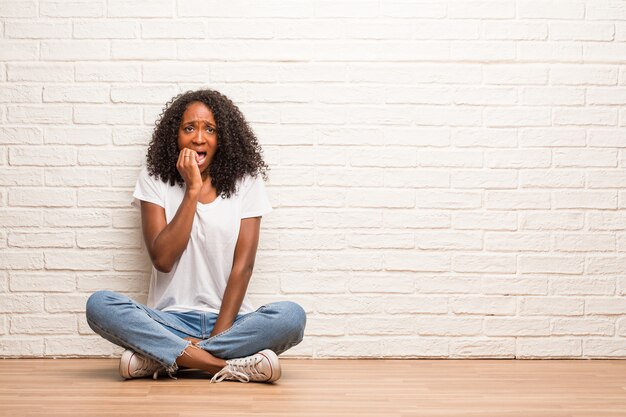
{"x":166,"y":242}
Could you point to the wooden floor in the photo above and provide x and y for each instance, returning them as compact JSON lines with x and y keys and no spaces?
{"x":321,"y":388}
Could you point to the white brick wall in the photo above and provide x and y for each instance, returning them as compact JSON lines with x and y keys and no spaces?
{"x":447,"y":175}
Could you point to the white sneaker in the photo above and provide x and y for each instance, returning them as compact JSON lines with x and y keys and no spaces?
{"x":133,"y":365}
{"x":260,"y":367}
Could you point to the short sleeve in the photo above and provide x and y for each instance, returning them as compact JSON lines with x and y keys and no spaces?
{"x":148,"y":189}
{"x":254,"y":198}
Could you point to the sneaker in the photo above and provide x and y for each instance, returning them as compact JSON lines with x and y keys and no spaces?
{"x":133,"y":365}
{"x":260,"y":367}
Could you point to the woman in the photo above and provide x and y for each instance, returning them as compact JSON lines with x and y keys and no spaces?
{"x":201,"y":197}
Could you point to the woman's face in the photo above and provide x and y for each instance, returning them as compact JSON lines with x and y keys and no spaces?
{"x":198,"y":132}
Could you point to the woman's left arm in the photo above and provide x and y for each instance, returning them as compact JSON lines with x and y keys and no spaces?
{"x":243,"y":264}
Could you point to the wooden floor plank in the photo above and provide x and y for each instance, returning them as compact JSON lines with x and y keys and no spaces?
{"x":485,"y":388}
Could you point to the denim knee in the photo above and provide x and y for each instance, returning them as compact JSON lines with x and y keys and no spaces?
{"x":97,"y":304}
{"x":293,"y":320}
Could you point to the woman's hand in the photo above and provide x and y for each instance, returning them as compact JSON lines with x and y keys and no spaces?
{"x":187,"y":166}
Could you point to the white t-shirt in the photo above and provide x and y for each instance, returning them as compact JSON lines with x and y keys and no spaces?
{"x":199,"y":277}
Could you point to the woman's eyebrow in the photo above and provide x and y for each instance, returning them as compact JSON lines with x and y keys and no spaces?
{"x":195,"y":120}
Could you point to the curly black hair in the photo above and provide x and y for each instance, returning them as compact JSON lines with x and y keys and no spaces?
{"x":238,"y":151}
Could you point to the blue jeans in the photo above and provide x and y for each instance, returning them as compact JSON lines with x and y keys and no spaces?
{"x":160,"y":335}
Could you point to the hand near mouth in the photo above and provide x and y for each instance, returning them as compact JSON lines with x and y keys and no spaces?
{"x":188,"y":167}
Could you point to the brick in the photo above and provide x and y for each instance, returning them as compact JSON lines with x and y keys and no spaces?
{"x":582,"y":31}
{"x":179,"y":29}
{"x":47,"y":281}
{"x":416,"y":261}
{"x":355,"y":261}
{"x":554,"y":9}
{"x":448,"y":199}
{"x":77,"y":346}
{"x":489,"y":138}
{"x":552,"y":221}
{"x":41,"y":239}
{"x":551,"y":96}
{"x":519,"y":74}
{"x":38,"y":30}
{"x":41,"y":197}
{"x":519,"y":116}
{"x":110,"y":157}
{"x":132,"y":261}
{"x":447,"y":326}
{"x":605,"y":306}
{"x":77,"y":260}
{"x":409,"y":178}
{"x":605,"y":264}
{"x":484,"y":179}
{"x":109,"y":29}
{"x":549,"y":52}
{"x":484,"y":221}
{"x":459,"y":159}
{"x":435,"y":74}
{"x":552,"y":137}
{"x":508,"y":30}
{"x":358,"y":197}
{"x":73,"y":8}
{"x":481,"y":9}
{"x":54,"y":72}
{"x":582,"y":286}
{"x":76,"y":177}
{"x":20,"y":94}
{"x":412,"y":219}
{"x":421,"y":9}
{"x":120,"y":239}
{"x":534,"y":178}
{"x":124,"y":177}
{"x":94,"y":114}
{"x":19,"y":50}
{"x":514,"y":286}
{"x":450,"y":29}
{"x":414,"y":346}
{"x":20,"y":347}
{"x":492,"y":348}
{"x":77,"y":135}
{"x":21,"y":303}
{"x":409,"y":304}
{"x":318,"y":156}
{"x":606,"y":138}
{"x":606,"y":220}
{"x":549,"y":264}
{"x":587,"y":243}
{"x":517,"y":327}
{"x":381,"y":240}
{"x":604,"y":348}
{"x":21,"y":176}
{"x":518,"y":159}
{"x":490,"y":306}
{"x":446,"y":285}
{"x":315,"y":197}
{"x":378,"y":326}
{"x":448,"y":116}
{"x":414,"y":95}
{"x":121,"y":282}
{"x":77,"y":218}
{"x":75,"y":50}
{"x":307,"y":240}
{"x":20,"y":136}
{"x":584,"y":199}
{"x":312,"y":283}
{"x":515,"y":242}
{"x":20,"y":217}
{"x":606,"y":179}
{"x":75,"y":94}
{"x":482,"y":51}
{"x":585,"y":116}
{"x":549,"y":348}
{"x":52,"y":324}
{"x":552,"y":306}
{"x":584,"y":158}
{"x":66,"y":303}
{"x":131,"y":136}
{"x":583,"y":75}
{"x":140,"y":50}
{"x":492,"y":96}
{"x":514,"y":200}
{"x":583,"y":327}
{"x":45,"y":114}
{"x":108,"y":72}
{"x":52,"y":156}
{"x":18,"y":8}
{"x":449,"y":240}
{"x":484,"y":263}
{"x":605,"y":10}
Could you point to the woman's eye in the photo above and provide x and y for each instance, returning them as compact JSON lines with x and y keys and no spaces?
{"x":210,"y":130}
{"x":188,"y":129}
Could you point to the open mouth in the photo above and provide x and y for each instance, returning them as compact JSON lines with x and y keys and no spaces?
{"x":201,"y":158}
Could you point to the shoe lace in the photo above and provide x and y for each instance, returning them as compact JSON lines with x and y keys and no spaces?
{"x":147,"y":365}
{"x":239,"y":369}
